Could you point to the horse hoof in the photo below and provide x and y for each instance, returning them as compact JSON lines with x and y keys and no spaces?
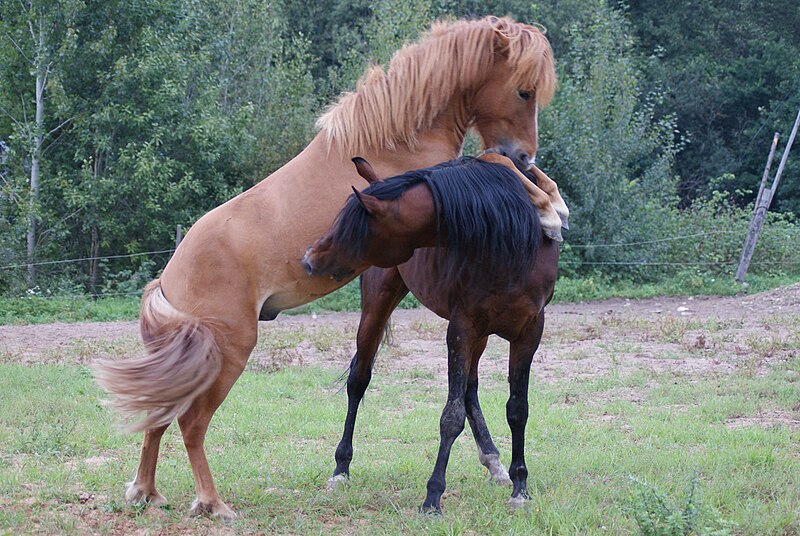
{"x":497,"y":471}
{"x":136,"y":495}
{"x":554,"y":235}
{"x":337,"y":481}
{"x":215,"y":509}
{"x":500,"y":479}
{"x":517,"y":501}
{"x":564,"y":221}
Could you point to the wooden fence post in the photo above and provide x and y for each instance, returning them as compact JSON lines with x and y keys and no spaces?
{"x":763,"y":202}
{"x":757,"y":221}
{"x":178,"y":235}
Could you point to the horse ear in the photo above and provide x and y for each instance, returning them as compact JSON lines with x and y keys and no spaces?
{"x":501,"y":41}
{"x":364,"y":169}
{"x":371,"y":204}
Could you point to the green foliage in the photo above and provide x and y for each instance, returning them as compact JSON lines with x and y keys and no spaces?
{"x":602,"y":143}
{"x":41,"y":310}
{"x":731,"y":80}
{"x":657,"y":515}
{"x":157,"y":111}
{"x":169,"y":112}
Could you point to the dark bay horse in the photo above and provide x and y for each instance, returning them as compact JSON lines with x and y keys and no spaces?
{"x":470,"y":245}
{"x":240,"y":263}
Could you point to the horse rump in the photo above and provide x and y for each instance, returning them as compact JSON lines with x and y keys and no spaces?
{"x":181,"y":362}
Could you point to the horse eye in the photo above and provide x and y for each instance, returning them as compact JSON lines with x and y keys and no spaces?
{"x":524,"y":95}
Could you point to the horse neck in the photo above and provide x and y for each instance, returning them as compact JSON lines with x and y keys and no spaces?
{"x":442,"y":142}
{"x":417,"y":211}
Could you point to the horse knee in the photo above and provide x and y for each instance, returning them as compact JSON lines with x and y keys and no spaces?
{"x":454,"y":414}
{"x":357,"y":383}
{"x":517,"y":413}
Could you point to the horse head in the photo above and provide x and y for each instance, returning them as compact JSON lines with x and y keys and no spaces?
{"x":373,"y":230}
{"x":521,"y":80}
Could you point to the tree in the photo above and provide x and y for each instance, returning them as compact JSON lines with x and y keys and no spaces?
{"x":36,"y":34}
{"x":601,"y":140}
{"x":730,"y":78}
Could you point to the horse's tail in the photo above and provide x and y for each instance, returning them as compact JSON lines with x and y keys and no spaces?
{"x":181,"y":362}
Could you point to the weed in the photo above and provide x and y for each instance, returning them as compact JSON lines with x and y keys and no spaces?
{"x":114,"y":506}
{"x":656,"y":515}
{"x":672,"y":329}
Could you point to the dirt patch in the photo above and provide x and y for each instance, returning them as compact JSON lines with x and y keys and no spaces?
{"x":766,"y":419}
{"x":705,"y":336}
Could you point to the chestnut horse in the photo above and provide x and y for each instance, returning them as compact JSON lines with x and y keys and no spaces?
{"x":493,"y":273}
{"x":240,"y":263}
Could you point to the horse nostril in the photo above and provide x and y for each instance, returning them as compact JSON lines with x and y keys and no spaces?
{"x":307,"y":266}
{"x":524,"y":159}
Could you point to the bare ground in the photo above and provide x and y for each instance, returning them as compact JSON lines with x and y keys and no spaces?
{"x":687,"y":337}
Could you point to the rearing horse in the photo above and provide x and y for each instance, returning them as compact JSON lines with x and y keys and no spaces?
{"x":240,"y":263}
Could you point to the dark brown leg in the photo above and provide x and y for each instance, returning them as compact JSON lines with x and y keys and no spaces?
{"x":381,"y":291}
{"x":519,"y":370}
{"x":460,"y":340}
{"x":488,"y":454}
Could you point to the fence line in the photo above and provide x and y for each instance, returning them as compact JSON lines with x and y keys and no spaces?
{"x":172,"y":250}
{"x":101,"y":257}
{"x":730,"y":263}
{"x":696,"y":263}
{"x":134,"y":293}
{"x":654,"y":241}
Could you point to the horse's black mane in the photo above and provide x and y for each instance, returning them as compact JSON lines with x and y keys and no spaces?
{"x":493,"y":229}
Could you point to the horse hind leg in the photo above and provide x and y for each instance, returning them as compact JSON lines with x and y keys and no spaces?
{"x":143,"y":487}
{"x":381,"y":291}
{"x":454,"y":413}
{"x":194,"y":425}
{"x":519,"y":370}
{"x":488,"y":454}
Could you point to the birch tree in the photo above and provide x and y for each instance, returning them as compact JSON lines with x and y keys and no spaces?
{"x":36,"y":34}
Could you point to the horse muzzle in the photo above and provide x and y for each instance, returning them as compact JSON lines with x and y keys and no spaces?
{"x":521,"y":159}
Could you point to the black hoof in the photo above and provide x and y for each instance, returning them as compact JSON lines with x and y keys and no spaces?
{"x":430,"y":511}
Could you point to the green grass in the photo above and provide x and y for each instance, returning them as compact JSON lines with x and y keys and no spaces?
{"x":682,"y":284}
{"x":598,"y":465}
{"x":39,"y":310}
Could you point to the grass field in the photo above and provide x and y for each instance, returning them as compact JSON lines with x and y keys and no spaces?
{"x":595,"y":467}
{"x":632,"y":448}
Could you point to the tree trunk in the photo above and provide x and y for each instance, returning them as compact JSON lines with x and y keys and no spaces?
{"x":35,"y":156}
{"x":94,"y":252}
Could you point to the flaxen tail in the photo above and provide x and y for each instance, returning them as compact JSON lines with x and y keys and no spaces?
{"x":182,"y":361}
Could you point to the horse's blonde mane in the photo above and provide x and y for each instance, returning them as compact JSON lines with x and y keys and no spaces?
{"x":392,"y":107}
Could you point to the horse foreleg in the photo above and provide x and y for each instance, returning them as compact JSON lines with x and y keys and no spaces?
{"x":381,"y":291}
{"x":451,"y":424}
{"x":519,"y":370}
{"x":143,"y":487}
{"x":550,"y":218}
{"x":550,"y":187}
{"x":194,"y":424}
{"x":488,"y":454}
